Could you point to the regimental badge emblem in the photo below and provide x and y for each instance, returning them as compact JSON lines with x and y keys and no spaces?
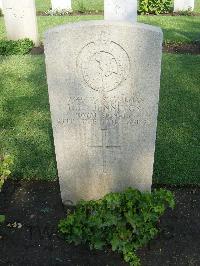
{"x":103,"y":64}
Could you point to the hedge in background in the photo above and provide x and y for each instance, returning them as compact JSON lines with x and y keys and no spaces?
{"x":19,"y":47}
{"x":155,"y":6}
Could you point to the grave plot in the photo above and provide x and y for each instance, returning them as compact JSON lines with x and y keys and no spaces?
{"x":108,"y":112}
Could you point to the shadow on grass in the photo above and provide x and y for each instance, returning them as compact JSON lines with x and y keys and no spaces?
{"x":176,"y":157}
{"x":189,"y":32}
{"x":25,"y":126}
{"x":176,"y":29}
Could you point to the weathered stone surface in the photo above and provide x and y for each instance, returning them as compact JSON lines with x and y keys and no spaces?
{"x":61,"y":4}
{"x":183,"y":5}
{"x":103,"y":82}
{"x":121,"y":10}
{"x":20,"y":19}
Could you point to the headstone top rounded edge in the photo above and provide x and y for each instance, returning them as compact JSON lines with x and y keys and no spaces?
{"x":92,"y":23}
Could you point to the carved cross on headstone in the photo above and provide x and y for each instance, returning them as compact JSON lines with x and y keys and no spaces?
{"x":98,"y":62}
{"x":104,"y":148}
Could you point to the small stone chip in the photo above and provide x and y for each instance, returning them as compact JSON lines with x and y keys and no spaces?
{"x":19,"y":225}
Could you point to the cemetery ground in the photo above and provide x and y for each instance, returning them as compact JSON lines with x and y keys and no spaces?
{"x":30,"y":237}
{"x":26,"y":126}
{"x":26,"y":133}
{"x":31,"y":200}
{"x":177,"y":29}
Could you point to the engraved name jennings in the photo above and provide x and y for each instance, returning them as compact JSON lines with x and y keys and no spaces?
{"x":113,"y":111}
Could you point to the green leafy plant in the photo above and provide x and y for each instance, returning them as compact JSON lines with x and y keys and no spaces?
{"x":2,"y":218}
{"x":20,"y":47}
{"x":123,"y":221}
{"x":81,"y":6}
{"x":5,"y":165}
{"x":155,"y":6}
{"x":1,"y":13}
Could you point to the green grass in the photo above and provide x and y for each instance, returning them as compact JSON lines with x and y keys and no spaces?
{"x":2,"y":29}
{"x":44,"y":5}
{"x":176,"y":29}
{"x":89,"y":5}
{"x":45,"y":23}
{"x":25,"y":126}
{"x":177,"y":151}
{"x":197,"y":6}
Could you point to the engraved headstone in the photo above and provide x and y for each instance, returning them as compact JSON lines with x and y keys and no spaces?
{"x":20,"y":19}
{"x":61,"y":4}
{"x":103,"y":82}
{"x":121,"y":10}
{"x":183,"y":5}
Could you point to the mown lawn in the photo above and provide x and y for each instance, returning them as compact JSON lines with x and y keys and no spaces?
{"x":180,"y":29}
{"x":197,"y":6}
{"x":89,"y":5}
{"x":25,"y":126}
{"x":44,"y":5}
{"x":176,"y":29}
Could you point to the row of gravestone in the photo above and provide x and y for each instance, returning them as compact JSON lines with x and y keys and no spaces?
{"x":179,"y":5}
{"x":21,"y":22}
{"x":55,"y":4}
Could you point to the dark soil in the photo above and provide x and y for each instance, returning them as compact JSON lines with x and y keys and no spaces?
{"x":37,"y":207}
{"x":182,"y":48}
{"x":74,"y":13}
{"x":37,"y":50}
{"x":99,"y":12}
{"x":193,"y":48}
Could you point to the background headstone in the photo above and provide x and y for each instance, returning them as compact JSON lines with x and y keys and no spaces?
{"x":183,"y":5}
{"x":103,"y":82}
{"x":123,"y":10}
{"x":1,"y":5}
{"x":20,"y":19}
{"x":61,"y":4}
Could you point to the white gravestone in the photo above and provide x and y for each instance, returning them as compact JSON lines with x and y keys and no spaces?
{"x":1,"y":5}
{"x":183,"y":5}
{"x":20,"y":19}
{"x":103,"y":82}
{"x":61,"y":4}
{"x":123,"y":10}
